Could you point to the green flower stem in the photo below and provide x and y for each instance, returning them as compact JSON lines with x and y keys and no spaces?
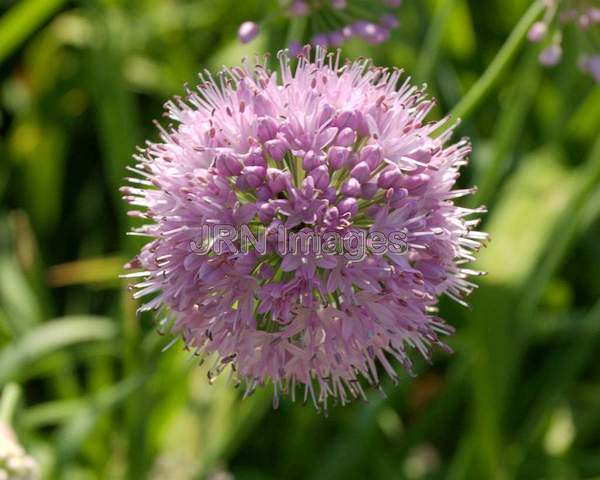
{"x":299,"y":171}
{"x":433,"y":41}
{"x":492,"y":75}
{"x":296,"y":31}
{"x":9,"y":401}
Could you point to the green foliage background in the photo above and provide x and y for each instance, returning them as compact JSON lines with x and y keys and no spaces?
{"x":80,"y":82}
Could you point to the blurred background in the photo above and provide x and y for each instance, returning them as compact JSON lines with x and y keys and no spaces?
{"x":81,"y":82}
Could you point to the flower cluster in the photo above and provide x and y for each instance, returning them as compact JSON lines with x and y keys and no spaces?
{"x":333,"y":22}
{"x":557,"y":15}
{"x":325,"y":145}
{"x":15,"y":464}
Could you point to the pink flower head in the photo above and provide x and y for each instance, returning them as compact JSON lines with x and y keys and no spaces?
{"x":359,"y":164}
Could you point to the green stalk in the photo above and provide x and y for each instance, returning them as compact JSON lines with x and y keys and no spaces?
{"x":509,"y":129}
{"x":9,"y":401}
{"x":299,"y":171}
{"x":433,"y":41}
{"x":22,"y":20}
{"x":492,"y":75}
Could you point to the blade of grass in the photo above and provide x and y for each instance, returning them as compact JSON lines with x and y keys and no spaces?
{"x":23,"y":19}
{"x":486,"y":82}
{"x":509,"y":129}
{"x":8,"y":402}
{"x":52,"y":413}
{"x":560,"y":370}
{"x":442,"y":407}
{"x":116,"y":113}
{"x":357,"y":441}
{"x":563,"y":233}
{"x":433,"y":41}
{"x":461,"y":465}
{"x":20,"y":304}
{"x":518,"y":233}
{"x":50,"y":337}
{"x":86,"y":271}
{"x":71,"y":437}
{"x":501,"y":338}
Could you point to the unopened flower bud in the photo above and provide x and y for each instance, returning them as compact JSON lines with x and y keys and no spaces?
{"x":372,"y":154}
{"x":255,"y":158}
{"x":264,"y":193}
{"x":310,"y":160}
{"x":266,"y":212}
{"x":277,"y":180}
{"x":346,"y":119}
{"x":266,"y":129}
{"x":321,"y":177}
{"x":254,"y":175}
{"x":276,"y":148}
{"x":389,"y":178}
{"x":331,"y":216}
{"x":337,"y":157}
{"x":361,"y":172}
{"x":228,"y":165}
{"x":351,"y":188}
{"x":330,"y":194}
{"x":368,"y":190}
{"x":348,"y":205}
{"x":247,"y":32}
{"x":346,"y":137}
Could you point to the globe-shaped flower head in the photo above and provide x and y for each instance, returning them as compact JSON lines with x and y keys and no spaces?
{"x":336,"y":230}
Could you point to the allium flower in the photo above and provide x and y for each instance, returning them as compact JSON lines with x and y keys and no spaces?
{"x":329,"y":148}
{"x":333,"y":22}
{"x":15,"y":464}
{"x":585,"y":15}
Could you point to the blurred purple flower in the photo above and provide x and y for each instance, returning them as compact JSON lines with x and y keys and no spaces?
{"x":341,"y":19}
{"x":247,"y":32}
{"x":584,"y":14}
{"x":591,"y":65}
{"x":299,"y":8}
{"x":537,"y":32}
